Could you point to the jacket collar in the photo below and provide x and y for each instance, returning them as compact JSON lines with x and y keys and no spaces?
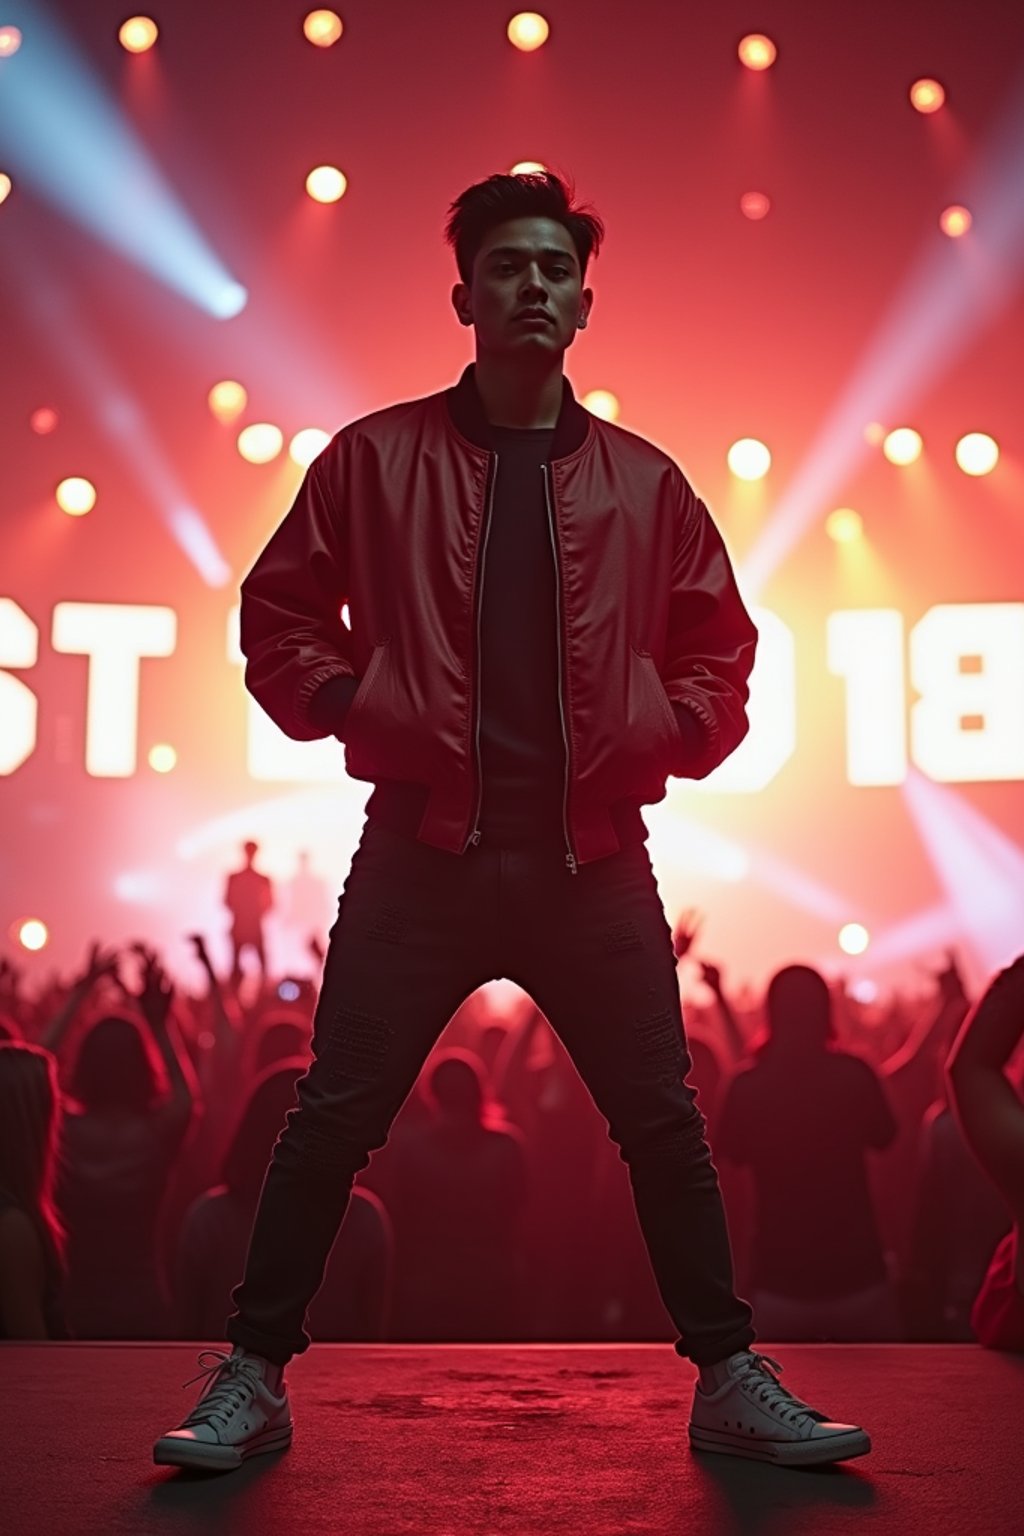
{"x":466,"y":410}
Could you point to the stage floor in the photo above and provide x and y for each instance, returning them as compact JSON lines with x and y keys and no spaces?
{"x":528,"y":1440}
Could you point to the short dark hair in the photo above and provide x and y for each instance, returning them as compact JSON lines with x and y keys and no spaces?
{"x":537,"y":194}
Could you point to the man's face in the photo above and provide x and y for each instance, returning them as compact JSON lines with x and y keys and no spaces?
{"x":526,"y":263}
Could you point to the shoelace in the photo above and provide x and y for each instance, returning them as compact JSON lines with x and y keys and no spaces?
{"x":220,"y":1399}
{"x":759,"y":1380}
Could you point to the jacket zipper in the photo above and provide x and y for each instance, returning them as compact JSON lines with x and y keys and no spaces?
{"x":475,"y":834}
{"x":570,"y":857}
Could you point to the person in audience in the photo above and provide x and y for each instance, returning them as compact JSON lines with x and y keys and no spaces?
{"x":802,"y":1118}
{"x":355,"y":1299}
{"x":33,"y":1239}
{"x":990,"y":1114}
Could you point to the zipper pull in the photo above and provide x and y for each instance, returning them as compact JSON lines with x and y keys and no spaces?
{"x":571,"y":861}
{"x":476,"y":836}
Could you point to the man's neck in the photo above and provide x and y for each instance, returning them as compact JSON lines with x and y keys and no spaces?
{"x":519,"y":397}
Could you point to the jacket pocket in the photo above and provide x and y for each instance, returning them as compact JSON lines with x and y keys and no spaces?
{"x":661,"y":698}
{"x":356,"y":717}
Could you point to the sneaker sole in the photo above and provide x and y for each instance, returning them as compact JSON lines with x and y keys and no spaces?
{"x":170,"y":1451}
{"x":787,"y":1453}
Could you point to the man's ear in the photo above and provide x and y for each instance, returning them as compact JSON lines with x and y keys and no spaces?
{"x":461,"y":304}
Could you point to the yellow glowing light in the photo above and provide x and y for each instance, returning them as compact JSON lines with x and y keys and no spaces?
{"x":927,"y":95}
{"x":261,"y":442}
{"x":902,"y":446}
{"x":601,"y":402}
{"x":44,"y":421}
{"x":227,"y":399}
{"x":527,"y":168}
{"x":755,"y":205}
{"x":749,"y":459}
{"x":138,"y":34}
{"x":10,"y":41}
{"x":527,"y":31}
{"x":305,"y":445}
{"x":33,"y":934}
{"x":325,"y":184}
{"x":757,"y":51}
{"x":874,"y":432}
{"x":955,"y":221}
{"x":322,"y":28}
{"x":5,"y":186}
{"x":844,"y":525}
{"x":162,"y":758}
{"x":977,"y":453}
{"x":76,"y":496}
{"x":854,"y":939}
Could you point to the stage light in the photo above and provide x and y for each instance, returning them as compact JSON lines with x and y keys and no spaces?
{"x":874,"y":433}
{"x":749,"y":459}
{"x":44,"y":421}
{"x":955,"y":221}
{"x":757,"y":51}
{"x":227,"y":399}
{"x":162,"y":758}
{"x":863,"y":991}
{"x":902,"y":446}
{"x":854,"y":939}
{"x":305,"y":445}
{"x":33,"y":934}
{"x":844,"y":525}
{"x":326,"y":184}
{"x":138,"y":34}
{"x":261,"y":442}
{"x":527,"y":168}
{"x":322,"y":28}
{"x":601,"y":402}
{"x":755,"y":205}
{"x":977,"y":453}
{"x":527,"y":31}
{"x":927,"y":95}
{"x":76,"y":496}
{"x":5,"y":186}
{"x":10,"y":41}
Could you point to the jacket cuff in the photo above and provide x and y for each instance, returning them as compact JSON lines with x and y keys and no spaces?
{"x":695,"y":737}
{"x":330,"y":703}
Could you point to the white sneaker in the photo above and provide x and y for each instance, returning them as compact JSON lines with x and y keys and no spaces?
{"x":752,"y":1414}
{"x":236,"y":1416}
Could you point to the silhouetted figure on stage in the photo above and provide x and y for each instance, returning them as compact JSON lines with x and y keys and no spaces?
{"x":248,"y":896}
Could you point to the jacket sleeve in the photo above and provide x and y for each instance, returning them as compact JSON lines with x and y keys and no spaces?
{"x":711,"y":640}
{"x":291,"y":632}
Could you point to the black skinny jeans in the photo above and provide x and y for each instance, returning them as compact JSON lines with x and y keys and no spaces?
{"x":418,"y":930}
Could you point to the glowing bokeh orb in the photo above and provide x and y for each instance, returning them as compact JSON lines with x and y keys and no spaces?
{"x":325,"y":184}
{"x":6,"y":185}
{"x":755,"y":205}
{"x":955,"y":221}
{"x":844,"y":525}
{"x":902,"y":446}
{"x":10,"y":41}
{"x":261,"y":442}
{"x":227,"y":399}
{"x":76,"y":496}
{"x":322,"y":28}
{"x":527,"y":31}
{"x":138,"y":34}
{"x":749,"y":459}
{"x":927,"y":95}
{"x":601,"y":402}
{"x":874,"y":433}
{"x":864,"y":990}
{"x":527,"y":168}
{"x":305,"y":445}
{"x":757,"y":51}
{"x":44,"y":421}
{"x":33,"y":934}
{"x":977,"y":453}
{"x":162,"y":757}
{"x":854,"y":939}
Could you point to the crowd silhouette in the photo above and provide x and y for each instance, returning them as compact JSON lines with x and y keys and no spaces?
{"x":871,"y":1186}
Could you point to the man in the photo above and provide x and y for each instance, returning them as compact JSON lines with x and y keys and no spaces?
{"x":544,"y":626}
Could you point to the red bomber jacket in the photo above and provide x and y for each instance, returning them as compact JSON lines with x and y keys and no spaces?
{"x":392,"y":519}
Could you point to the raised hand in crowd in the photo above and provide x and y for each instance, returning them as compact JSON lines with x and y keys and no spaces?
{"x":99,"y":963}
